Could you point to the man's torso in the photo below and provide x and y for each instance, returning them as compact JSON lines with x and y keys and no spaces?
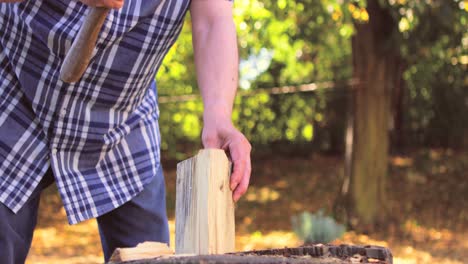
{"x":100,"y":135}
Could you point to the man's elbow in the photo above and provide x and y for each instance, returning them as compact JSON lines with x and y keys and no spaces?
{"x":211,"y":24}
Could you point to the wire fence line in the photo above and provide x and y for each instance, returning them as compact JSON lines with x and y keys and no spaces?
{"x":303,"y":88}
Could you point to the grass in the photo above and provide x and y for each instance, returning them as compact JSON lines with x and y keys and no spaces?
{"x":427,"y":195}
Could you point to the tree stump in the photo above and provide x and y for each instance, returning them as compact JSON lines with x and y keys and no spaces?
{"x":311,"y":254}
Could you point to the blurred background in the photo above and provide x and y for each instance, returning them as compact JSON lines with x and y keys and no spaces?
{"x":358,"y":116}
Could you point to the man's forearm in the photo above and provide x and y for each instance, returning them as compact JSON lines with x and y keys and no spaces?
{"x":216,"y":60}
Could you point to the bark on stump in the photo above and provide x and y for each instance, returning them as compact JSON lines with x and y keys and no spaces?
{"x":313,"y":254}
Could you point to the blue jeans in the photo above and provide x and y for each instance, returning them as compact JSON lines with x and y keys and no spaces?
{"x":141,"y":219}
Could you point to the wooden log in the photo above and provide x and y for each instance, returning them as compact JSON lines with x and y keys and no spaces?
{"x":204,"y":205}
{"x":142,"y":251}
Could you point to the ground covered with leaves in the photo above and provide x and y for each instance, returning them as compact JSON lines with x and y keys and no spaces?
{"x":428,"y":197}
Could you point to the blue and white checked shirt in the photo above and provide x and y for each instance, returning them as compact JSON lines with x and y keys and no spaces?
{"x":100,"y":135}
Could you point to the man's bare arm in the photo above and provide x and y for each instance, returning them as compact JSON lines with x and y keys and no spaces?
{"x":216,"y":60}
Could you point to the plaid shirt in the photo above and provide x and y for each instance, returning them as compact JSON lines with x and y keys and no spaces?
{"x":99,"y":135}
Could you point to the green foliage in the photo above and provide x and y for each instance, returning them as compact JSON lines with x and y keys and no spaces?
{"x":262,"y":117}
{"x":435,"y":46}
{"x":316,"y":228}
{"x":295,"y":42}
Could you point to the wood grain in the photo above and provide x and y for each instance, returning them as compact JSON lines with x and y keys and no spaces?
{"x":78,"y":57}
{"x":204,"y":205}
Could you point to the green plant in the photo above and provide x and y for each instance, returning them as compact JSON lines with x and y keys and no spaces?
{"x":316,"y":228}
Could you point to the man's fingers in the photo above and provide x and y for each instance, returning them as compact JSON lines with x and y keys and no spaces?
{"x":239,"y":160}
{"x":244,"y":184}
{"x":240,"y":154}
{"x":236,"y":177}
{"x":104,"y":3}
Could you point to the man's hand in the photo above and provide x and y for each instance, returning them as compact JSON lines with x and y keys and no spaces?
{"x":218,"y":132}
{"x":103,"y":3}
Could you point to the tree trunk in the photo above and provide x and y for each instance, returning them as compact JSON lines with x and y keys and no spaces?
{"x":398,"y":139}
{"x":374,"y":60}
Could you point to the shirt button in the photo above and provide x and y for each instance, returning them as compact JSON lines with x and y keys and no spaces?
{"x":54,"y":151}
{"x":63,"y":112}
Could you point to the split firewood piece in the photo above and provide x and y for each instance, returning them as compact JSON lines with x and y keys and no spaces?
{"x":144,"y":250}
{"x":204,"y":205}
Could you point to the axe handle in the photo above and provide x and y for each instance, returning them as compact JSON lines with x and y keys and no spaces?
{"x":79,"y":55}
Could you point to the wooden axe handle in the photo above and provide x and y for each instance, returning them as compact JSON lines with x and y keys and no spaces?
{"x":79,"y":55}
